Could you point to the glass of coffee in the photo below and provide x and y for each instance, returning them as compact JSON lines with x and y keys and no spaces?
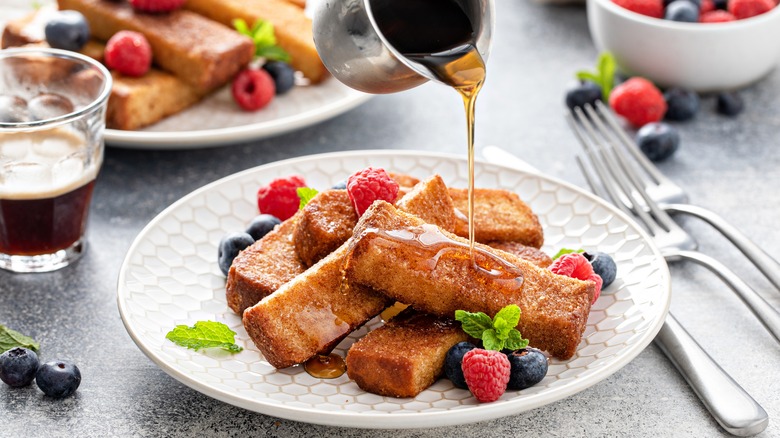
{"x":52,"y":118}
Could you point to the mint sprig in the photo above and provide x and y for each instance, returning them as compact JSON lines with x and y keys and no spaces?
{"x":564,"y":251}
{"x":11,"y":339}
{"x":496,"y":333}
{"x":604,"y":76}
{"x":305,"y":194}
{"x":205,"y":334}
{"x":262,"y":33}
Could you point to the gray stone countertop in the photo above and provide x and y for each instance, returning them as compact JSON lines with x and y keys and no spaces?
{"x":728,"y":165}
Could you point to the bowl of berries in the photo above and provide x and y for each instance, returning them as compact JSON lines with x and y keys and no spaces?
{"x":704,"y":45}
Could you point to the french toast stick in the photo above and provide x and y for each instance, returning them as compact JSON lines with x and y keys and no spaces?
{"x":404,"y":356}
{"x":134,"y":102}
{"x":263,"y":267}
{"x":499,"y":215}
{"x":197,"y":50}
{"x":315,"y":310}
{"x":431,"y":270}
{"x":292,"y":27}
{"x":529,"y":253}
{"x":327,"y":219}
{"x":311,"y":313}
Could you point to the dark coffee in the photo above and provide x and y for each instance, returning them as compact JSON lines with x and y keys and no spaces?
{"x":45,"y":225}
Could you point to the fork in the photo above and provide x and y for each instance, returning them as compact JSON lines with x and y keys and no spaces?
{"x":623,"y":187}
{"x":733,"y":408}
{"x":673,"y":198}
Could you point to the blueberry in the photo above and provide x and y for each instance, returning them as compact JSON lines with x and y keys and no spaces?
{"x":528,"y":366}
{"x":68,"y":30}
{"x":658,"y":140}
{"x":581,"y":92}
{"x":261,"y":225}
{"x":49,"y":105}
{"x":721,"y":4}
{"x":603,"y":265}
{"x":18,"y":366}
{"x":58,"y":379}
{"x":730,"y":103}
{"x":13,"y":109}
{"x":682,"y":10}
{"x":453,"y":361}
{"x":283,"y":74}
{"x":229,"y":247}
{"x":682,"y":104}
{"x":341,"y":185}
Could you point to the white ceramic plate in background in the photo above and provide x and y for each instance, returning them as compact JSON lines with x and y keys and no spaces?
{"x":217,"y":120}
{"x":170,"y":277}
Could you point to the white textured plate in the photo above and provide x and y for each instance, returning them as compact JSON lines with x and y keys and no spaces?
{"x":217,"y":120}
{"x":170,"y":276}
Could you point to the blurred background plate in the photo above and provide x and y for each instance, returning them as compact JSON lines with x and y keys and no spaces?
{"x":217,"y":120}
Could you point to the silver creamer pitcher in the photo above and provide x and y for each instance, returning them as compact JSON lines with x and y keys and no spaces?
{"x":353,"y":48}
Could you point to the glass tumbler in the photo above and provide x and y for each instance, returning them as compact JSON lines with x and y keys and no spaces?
{"x":52,"y":118}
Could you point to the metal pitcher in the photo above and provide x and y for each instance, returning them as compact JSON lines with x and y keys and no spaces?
{"x":356,"y":52}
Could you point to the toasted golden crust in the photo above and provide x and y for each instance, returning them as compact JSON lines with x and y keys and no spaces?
{"x":264,"y":267}
{"x":311,"y":313}
{"x":405,"y":356}
{"x":529,"y":253}
{"x":138,"y":102}
{"x":199,"y":51}
{"x":430,"y":201}
{"x":328,"y":219}
{"x":403,"y":179}
{"x":293,"y":29}
{"x":326,"y":223}
{"x":499,"y":215}
{"x":554,"y":308}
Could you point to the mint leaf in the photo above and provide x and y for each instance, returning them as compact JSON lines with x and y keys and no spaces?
{"x":607,"y":73}
{"x":510,"y":314}
{"x":205,"y":334}
{"x":566,"y":251}
{"x":262,"y":34}
{"x":491,"y":341}
{"x":497,"y":333}
{"x":515,"y":341}
{"x":11,"y":338}
{"x":604,"y":76}
{"x":474,"y":324}
{"x":305,"y":194}
{"x":274,"y":53}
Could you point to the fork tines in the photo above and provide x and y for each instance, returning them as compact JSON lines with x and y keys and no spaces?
{"x":600,"y":136}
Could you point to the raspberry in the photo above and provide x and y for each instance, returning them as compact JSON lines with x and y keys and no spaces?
{"x":651,"y":8}
{"x":128,"y":53}
{"x":742,"y":9}
{"x":639,"y":101}
{"x":706,"y":6}
{"x":717,"y":16}
{"x":487,"y":373}
{"x":575,"y":265}
{"x":280,"y":197}
{"x":156,"y":5}
{"x":369,"y":185}
{"x":253,"y":89}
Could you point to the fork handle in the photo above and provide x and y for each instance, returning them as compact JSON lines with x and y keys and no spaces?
{"x":763,"y":310}
{"x":763,"y":261}
{"x":733,"y":408}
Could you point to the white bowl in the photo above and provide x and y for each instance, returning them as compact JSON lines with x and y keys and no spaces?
{"x":702,"y":57}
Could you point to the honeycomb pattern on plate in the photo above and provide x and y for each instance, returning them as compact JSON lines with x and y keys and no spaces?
{"x":170,"y":277}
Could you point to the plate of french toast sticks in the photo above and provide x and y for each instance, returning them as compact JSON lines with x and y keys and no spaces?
{"x":316,"y":284}
{"x":185,"y":101}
